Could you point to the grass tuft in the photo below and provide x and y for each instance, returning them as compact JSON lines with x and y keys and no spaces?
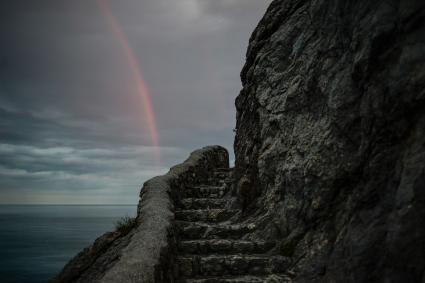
{"x":125,"y":224}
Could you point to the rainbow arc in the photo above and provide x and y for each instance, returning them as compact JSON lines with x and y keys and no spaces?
{"x":135,"y":69}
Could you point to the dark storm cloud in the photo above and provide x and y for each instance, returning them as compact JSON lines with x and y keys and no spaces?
{"x":70,"y":117}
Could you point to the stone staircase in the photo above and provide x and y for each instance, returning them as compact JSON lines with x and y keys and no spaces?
{"x":210,"y":248}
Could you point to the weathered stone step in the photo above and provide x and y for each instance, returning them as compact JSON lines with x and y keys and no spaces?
{"x":205,"y":191}
{"x":274,"y":278}
{"x":222,"y":169}
{"x":214,"y":265}
{"x":220,"y":174}
{"x":200,"y":230}
{"x":224,"y":246}
{"x":205,"y":215}
{"x":203,"y":203}
{"x":220,"y":182}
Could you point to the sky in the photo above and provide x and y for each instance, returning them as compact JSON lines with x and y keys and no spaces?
{"x":74,"y":128}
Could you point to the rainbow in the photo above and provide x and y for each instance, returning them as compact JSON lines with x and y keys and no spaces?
{"x":137,"y":73}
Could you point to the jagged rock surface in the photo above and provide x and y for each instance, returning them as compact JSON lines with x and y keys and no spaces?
{"x":330,"y":138}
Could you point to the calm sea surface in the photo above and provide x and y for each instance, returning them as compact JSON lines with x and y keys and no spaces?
{"x":37,"y":240}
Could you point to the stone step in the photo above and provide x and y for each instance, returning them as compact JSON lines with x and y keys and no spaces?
{"x":223,"y":169}
{"x":219,"y":265}
{"x":203,"y":203}
{"x":224,"y":246}
{"x":220,"y":174}
{"x":200,"y":230}
{"x":205,"y":191}
{"x":220,"y":182}
{"x":205,"y":215}
{"x":274,"y":278}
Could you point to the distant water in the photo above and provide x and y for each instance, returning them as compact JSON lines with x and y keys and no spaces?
{"x":36,"y":241}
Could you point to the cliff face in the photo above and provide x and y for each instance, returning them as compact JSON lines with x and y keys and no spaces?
{"x":330,"y":140}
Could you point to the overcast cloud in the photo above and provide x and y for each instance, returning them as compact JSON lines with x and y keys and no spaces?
{"x":71,"y":123}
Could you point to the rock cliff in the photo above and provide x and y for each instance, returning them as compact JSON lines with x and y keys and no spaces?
{"x":330,"y":138}
{"x":329,"y":179}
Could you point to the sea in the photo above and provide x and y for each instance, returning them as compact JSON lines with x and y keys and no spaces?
{"x":36,"y":241}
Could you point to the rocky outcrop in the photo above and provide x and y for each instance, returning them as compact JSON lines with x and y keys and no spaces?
{"x":330,"y":138}
{"x":329,"y":180}
{"x":148,"y":252}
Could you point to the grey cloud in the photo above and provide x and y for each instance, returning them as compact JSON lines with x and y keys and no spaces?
{"x":65,"y":83}
{"x":77,"y":172}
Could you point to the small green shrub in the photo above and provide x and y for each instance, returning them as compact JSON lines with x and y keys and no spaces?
{"x":125,"y":224}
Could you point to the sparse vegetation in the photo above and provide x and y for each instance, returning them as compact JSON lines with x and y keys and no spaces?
{"x":125,"y":224}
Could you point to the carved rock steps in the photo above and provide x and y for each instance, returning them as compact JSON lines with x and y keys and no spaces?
{"x":201,"y":230}
{"x":239,"y":264}
{"x":210,"y":249}
{"x":224,"y":246}
{"x":200,"y":203}
{"x":274,"y":278}
{"x":205,"y":215}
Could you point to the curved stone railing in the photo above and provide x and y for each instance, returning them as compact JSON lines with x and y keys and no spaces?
{"x":149,"y":255}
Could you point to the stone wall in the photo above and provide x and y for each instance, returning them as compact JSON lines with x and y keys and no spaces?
{"x":146,"y":253}
{"x":330,"y":137}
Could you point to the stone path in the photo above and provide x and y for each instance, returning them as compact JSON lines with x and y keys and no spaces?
{"x":210,"y":248}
